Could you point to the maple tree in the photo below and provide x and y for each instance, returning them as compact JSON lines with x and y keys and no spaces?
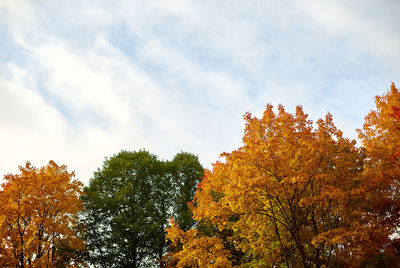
{"x":284,"y":196}
{"x":396,"y":115}
{"x":200,"y":247}
{"x":380,"y":137}
{"x":37,"y":218}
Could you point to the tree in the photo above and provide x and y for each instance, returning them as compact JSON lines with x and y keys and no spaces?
{"x":186,"y":172}
{"x":128,"y":203}
{"x":380,"y":138}
{"x":200,"y":249}
{"x":396,"y":116}
{"x":175,"y":189}
{"x":284,"y":198}
{"x":37,"y":217}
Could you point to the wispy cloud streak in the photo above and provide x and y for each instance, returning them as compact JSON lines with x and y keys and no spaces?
{"x":82,"y":80}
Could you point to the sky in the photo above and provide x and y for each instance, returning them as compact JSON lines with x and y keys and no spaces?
{"x":83,"y":80}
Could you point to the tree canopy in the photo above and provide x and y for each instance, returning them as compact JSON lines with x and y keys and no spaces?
{"x":37,"y":218}
{"x":380,"y":209}
{"x":128,"y":203}
{"x":300,"y":195}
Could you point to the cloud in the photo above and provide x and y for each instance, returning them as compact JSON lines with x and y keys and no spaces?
{"x":369,"y":26}
{"x":95,"y":77}
{"x":107,"y":104}
{"x":30,"y":125}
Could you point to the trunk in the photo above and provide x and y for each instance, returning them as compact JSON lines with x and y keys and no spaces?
{"x":134,"y":257}
{"x":160,"y":255}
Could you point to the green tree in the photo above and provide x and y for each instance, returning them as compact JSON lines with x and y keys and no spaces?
{"x":128,"y":203}
{"x":186,"y":171}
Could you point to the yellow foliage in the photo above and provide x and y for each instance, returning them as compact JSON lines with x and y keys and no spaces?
{"x":288,"y":185}
{"x":37,"y":209}
{"x":197,"y":250}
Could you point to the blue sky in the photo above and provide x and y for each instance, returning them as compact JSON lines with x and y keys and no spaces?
{"x":82,"y":80}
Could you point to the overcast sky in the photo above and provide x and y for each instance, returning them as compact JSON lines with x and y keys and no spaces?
{"x":82,"y":80}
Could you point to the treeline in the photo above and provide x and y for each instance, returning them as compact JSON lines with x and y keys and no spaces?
{"x":296,"y":194}
{"x":118,"y":220}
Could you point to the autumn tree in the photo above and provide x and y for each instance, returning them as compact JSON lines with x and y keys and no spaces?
{"x":203,"y":246}
{"x":396,"y":116}
{"x":128,"y":203}
{"x":284,"y":198}
{"x":380,"y":137}
{"x":37,"y":218}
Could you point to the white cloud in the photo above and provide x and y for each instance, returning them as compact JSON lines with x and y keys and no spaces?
{"x":133,"y":112}
{"x":78,"y":95}
{"x":30,"y":125}
{"x":368,"y":25}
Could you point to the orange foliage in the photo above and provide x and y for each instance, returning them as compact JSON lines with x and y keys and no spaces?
{"x":295,"y":196}
{"x":285,"y":195}
{"x":37,"y":209}
{"x":198,"y":250}
{"x":396,"y":115}
{"x":381,"y":178}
